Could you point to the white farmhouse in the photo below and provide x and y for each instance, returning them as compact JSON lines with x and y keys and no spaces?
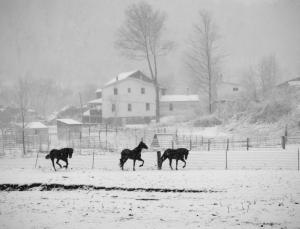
{"x":128,"y":98}
{"x":173,"y":105}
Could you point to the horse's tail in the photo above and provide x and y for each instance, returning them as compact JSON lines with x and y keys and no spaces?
{"x":121,"y":163}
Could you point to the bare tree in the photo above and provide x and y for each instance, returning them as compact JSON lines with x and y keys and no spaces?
{"x":267,"y":74}
{"x":250,"y":83}
{"x":22,"y":102}
{"x":140,"y":38}
{"x":203,"y":57}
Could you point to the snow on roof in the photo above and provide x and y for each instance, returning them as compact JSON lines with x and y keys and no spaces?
{"x":99,"y":90}
{"x":294,"y":83}
{"x":36,"y":125}
{"x":69,"y":121}
{"x":120,"y":77}
{"x":87,"y":113}
{"x":179,"y":98}
{"x":95,"y":101}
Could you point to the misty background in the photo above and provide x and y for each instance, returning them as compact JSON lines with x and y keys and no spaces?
{"x":70,"y":44}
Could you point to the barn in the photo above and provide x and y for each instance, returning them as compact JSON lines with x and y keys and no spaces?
{"x":68,"y":129}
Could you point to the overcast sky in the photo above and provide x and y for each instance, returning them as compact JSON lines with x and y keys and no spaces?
{"x":73,"y":41}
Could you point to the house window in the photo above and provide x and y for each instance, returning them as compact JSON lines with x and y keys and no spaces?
{"x":113,"y":107}
{"x":147,"y":106}
{"x":115,"y":91}
{"x":170,"y":107}
{"x":143,"y":90}
{"x":129,"y":90}
{"x":235,"y":89}
{"x":129,"y":107}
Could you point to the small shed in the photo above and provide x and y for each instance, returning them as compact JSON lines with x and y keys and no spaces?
{"x":68,"y":129}
{"x":38,"y":131}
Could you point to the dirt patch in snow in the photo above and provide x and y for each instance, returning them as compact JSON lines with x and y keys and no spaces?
{"x":61,"y":187}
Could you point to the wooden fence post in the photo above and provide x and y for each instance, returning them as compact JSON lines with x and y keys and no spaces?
{"x":190,"y":143}
{"x":172,"y":144}
{"x":283,"y":142}
{"x":106,"y":137}
{"x":99,"y":133}
{"x":37,"y":156}
{"x":227,"y":144}
{"x":298,"y":159}
{"x":159,"y":164}
{"x":247,"y":144}
{"x":93,"y":159}
{"x":208,"y":145}
{"x":226,"y":160}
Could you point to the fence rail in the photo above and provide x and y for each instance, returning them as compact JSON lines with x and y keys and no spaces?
{"x":111,"y":139}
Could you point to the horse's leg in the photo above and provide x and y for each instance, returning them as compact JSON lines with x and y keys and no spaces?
{"x":133,"y":164}
{"x":66,"y":166}
{"x":176,"y":164}
{"x":58,"y":163}
{"x":53,"y":164}
{"x":183,"y":162}
{"x":170,"y":163}
{"x":123,"y":162}
{"x":140,"y":159}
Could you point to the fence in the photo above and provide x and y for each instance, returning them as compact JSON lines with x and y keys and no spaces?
{"x":113,"y":139}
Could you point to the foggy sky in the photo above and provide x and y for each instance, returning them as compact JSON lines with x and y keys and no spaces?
{"x":73,"y":41}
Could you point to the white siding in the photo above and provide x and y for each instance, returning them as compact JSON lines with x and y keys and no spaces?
{"x":123,"y":98}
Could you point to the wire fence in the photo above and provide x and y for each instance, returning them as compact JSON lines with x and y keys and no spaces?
{"x":104,"y":139}
{"x":100,"y":147}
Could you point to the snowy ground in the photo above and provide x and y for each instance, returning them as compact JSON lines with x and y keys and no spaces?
{"x":241,"y":199}
{"x":261,"y":189}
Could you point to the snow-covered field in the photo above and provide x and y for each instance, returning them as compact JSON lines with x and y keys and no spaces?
{"x":261,"y":189}
{"x":230,"y":199}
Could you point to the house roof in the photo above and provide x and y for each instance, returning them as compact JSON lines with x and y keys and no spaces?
{"x":125,"y":75}
{"x":230,"y":83}
{"x":179,"y":98}
{"x":95,"y":101}
{"x":69,"y":121}
{"x":36,"y":125}
{"x":86,"y":113}
{"x":98,"y":90}
{"x":291,"y":82}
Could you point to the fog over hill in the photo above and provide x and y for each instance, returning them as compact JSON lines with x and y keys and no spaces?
{"x":73,"y":41}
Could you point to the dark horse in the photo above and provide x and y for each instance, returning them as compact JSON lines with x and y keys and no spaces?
{"x":177,"y":154}
{"x":134,"y":155}
{"x":60,"y":154}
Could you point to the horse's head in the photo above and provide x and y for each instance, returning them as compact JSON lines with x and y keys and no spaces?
{"x":186,"y":154}
{"x":70,"y":152}
{"x":165,"y":155}
{"x":142,"y":145}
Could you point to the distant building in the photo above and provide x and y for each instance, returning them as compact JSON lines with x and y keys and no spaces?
{"x":38,"y":131}
{"x":129,"y":98}
{"x":98,"y":93}
{"x":227,"y":93}
{"x":94,"y":113}
{"x":172,"y":105}
{"x":68,"y":129}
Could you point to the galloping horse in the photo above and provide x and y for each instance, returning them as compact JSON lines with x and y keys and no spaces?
{"x":61,"y":154}
{"x":134,"y":155}
{"x":177,"y":154}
